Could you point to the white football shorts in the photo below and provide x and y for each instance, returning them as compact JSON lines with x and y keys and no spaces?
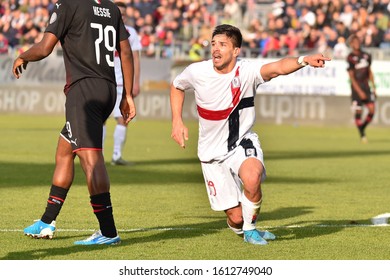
{"x":224,"y":187}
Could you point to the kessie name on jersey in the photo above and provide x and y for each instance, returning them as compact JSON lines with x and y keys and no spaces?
{"x":101,"y":12}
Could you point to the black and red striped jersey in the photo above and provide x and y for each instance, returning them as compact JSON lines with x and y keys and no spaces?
{"x":359,"y":64}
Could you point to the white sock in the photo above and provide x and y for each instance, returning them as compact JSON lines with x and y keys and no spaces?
{"x":119,"y":141}
{"x":237,"y":231}
{"x":250,"y":212}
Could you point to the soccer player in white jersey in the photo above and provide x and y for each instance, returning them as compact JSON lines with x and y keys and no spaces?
{"x":230,"y":152}
{"x":120,"y":130}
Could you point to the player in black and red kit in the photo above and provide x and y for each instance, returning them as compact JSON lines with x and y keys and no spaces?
{"x":89,"y":31}
{"x":361,"y":76}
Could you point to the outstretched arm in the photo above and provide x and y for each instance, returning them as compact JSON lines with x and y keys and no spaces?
{"x":289,"y":65}
{"x":37,"y":52}
{"x":179,"y":130}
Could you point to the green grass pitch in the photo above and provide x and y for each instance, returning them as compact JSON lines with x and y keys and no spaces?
{"x":323,"y":186}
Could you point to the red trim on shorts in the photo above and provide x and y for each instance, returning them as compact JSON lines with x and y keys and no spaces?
{"x":82,"y":149}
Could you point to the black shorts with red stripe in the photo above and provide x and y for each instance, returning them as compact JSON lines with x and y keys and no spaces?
{"x":89,"y":103}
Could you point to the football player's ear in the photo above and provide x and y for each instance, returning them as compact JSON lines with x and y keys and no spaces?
{"x":236,"y":51}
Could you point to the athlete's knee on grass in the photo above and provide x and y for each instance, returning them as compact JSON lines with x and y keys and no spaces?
{"x":234,"y":217}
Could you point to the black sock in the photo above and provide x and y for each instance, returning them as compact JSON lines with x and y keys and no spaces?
{"x":361,"y":131}
{"x":359,"y":124}
{"x":101,"y":204}
{"x":369,"y":118}
{"x":55,"y":201}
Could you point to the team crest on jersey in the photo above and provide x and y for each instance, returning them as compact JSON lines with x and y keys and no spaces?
{"x":97,"y":1}
{"x":249,"y":152}
{"x":236,"y":82}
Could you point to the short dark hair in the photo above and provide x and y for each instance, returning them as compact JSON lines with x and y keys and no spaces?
{"x":231,"y":32}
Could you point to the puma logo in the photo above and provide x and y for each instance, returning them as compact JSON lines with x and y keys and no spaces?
{"x":74,"y":141}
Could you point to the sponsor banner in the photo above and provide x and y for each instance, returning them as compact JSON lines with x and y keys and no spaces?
{"x":48,"y":99}
{"x":51,"y":70}
{"x":270,"y":108}
{"x":333,"y":79}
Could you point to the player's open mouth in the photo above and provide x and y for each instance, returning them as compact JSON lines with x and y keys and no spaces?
{"x":216,"y":57}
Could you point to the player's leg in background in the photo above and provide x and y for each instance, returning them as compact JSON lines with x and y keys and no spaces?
{"x":359,"y":121}
{"x":120,"y":133}
{"x":370,"y":116}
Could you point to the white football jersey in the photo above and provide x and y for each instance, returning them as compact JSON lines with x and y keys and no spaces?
{"x":135,"y":44}
{"x":225,"y":104}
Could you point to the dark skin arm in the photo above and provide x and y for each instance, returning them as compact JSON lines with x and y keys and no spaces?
{"x":37,"y":52}
{"x":371,"y":78}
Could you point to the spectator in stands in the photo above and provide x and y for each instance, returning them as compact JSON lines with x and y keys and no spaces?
{"x":386,"y":37}
{"x":311,"y":42}
{"x":382,"y":20}
{"x":321,"y":19}
{"x":252,"y":34}
{"x":233,"y":9}
{"x":272,"y":46}
{"x":355,"y":26}
{"x":291,"y":18}
{"x":11,"y":34}
{"x":290,"y":42}
{"x":150,"y":50}
{"x":342,"y":29}
{"x":374,"y":36}
{"x":346,"y":16}
{"x":340,"y":50}
{"x":280,"y":26}
{"x":186,"y":18}
{"x":196,"y":52}
{"x":308,"y":16}
{"x":331,"y":36}
{"x":3,"y":44}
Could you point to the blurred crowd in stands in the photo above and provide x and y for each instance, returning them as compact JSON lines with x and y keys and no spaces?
{"x":173,"y":28}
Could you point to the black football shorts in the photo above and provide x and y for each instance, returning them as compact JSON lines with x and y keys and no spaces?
{"x":358,"y":102}
{"x":88,"y":104}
